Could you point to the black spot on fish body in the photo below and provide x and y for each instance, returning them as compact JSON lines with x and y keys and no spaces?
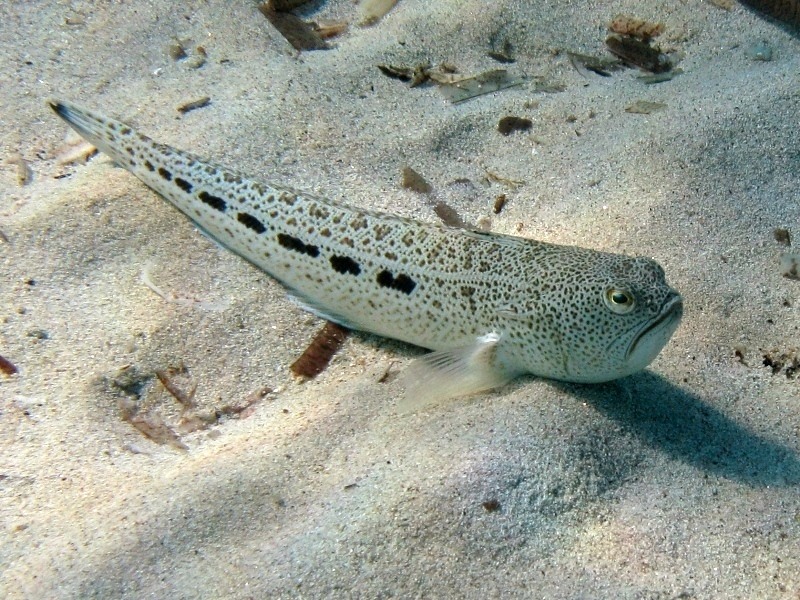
{"x":164,"y":173}
{"x":404,"y":283}
{"x":385,"y":279}
{"x":292,"y":243}
{"x":345,"y":264}
{"x":251,"y":222}
{"x":149,"y":166}
{"x":213,"y":201}
{"x":183,"y":184}
{"x":401,"y":283}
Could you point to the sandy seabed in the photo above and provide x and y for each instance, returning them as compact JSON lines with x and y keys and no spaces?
{"x":679,"y":482}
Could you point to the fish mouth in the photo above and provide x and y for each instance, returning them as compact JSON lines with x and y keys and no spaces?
{"x":671,"y":311}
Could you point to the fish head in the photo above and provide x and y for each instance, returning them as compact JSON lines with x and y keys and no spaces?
{"x":619,"y":312}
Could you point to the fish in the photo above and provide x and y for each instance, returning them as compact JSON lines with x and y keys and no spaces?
{"x":490,"y":307}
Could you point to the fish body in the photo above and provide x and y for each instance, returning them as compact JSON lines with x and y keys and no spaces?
{"x":491,"y":306}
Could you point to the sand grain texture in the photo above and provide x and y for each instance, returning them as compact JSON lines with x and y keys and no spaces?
{"x":678,"y":482}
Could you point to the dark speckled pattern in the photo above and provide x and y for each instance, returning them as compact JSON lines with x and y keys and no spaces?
{"x":430,"y":285}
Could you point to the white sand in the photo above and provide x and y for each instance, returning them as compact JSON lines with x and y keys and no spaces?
{"x":681,"y":482}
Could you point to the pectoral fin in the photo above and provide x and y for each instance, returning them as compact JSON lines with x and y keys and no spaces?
{"x":445,"y":374}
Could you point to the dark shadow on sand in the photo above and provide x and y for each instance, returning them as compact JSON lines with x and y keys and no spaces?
{"x":680,"y":423}
{"x":781,"y":14}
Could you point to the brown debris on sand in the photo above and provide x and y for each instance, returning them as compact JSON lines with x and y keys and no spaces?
{"x":317,"y":356}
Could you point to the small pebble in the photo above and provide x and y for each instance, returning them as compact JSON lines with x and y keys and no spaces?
{"x":24,"y":173}
{"x":198,"y":59}
{"x":411,"y":180}
{"x":194,"y":105}
{"x":790,"y":265}
{"x":510,"y":124}
{"x":782,"y":236}
{"x":176,"y":52}
{"x":499,"y":203}
{"x":760,"y":51}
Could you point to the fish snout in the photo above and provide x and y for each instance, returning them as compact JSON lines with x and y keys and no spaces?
{"x":655,"y":334}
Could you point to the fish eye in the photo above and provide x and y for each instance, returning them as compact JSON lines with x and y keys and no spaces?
{"x":620,"y":301}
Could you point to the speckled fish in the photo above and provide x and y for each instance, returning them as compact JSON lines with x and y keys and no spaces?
{"x":492,"y":307}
